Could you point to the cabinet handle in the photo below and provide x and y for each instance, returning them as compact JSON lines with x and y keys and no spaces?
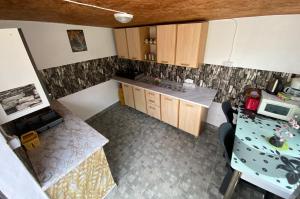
{"x":151,"y":94}
{"x":184,"y":64}
{"x":168,"y":99}
{"x":151,"y":107}
{"x":164,"y":62}
{"x":189,"y":105}
{"x":152,"y":101}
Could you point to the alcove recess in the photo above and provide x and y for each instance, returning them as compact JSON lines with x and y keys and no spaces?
{"x":151,"y":43}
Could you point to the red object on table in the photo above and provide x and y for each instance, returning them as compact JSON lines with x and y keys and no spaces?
{"x":252,"y":103}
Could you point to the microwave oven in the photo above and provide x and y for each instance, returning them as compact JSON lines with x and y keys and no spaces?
{"x":273,"y":106}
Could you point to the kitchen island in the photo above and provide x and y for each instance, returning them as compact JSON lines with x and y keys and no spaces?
{"x":70,"y":161}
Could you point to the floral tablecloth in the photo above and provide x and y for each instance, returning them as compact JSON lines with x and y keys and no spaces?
{"x":254,"y":155}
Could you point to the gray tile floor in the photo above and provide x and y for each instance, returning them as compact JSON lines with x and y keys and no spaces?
{"x":150,"y":159}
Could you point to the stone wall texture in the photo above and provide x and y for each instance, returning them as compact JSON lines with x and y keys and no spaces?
{"x":229,"y":81}
{"x":67,"y":79}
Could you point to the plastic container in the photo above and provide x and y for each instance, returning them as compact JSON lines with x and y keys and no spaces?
{"x":30,"y":140}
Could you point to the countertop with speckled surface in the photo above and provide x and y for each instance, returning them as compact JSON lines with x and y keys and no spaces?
{"x":64,"y":147}
{"x":199,"y":95}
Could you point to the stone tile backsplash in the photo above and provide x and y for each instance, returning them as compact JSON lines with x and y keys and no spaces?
{"x":65,"y":80}
{"x":229,"y":81}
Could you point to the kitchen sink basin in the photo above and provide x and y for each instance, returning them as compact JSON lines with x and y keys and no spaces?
{"x":163,"y":83}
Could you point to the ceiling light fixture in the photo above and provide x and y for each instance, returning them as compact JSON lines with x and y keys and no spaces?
{"x":121,"y":17}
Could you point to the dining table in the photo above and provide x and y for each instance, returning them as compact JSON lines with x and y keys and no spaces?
{"x":255,"y":160}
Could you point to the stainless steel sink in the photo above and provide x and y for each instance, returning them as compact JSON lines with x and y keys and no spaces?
{"x":163,"y":83}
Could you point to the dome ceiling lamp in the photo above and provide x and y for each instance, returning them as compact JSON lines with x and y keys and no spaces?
{"x":120,"y":16}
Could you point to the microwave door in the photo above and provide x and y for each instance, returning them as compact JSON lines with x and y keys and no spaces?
{"x":279,"y":110}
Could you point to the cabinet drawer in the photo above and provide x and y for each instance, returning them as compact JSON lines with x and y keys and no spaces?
{"x":153,"y":98}
{"x":153,"y":111}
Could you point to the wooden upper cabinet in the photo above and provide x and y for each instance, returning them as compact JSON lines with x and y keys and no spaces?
{"x":166,"y":44}
{"x":191,"y":41}
{"x":135,"y":41}
{"x":121,"y":42}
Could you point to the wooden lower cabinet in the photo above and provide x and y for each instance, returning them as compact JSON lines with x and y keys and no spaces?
{"x":153,"y":104}
{"x":153,"y":111}
{"x":91,"y":179}
{"x":128,"y":95}
{"x":139,"y":99}
{"x":153,"y":98}
{"x":169,"y":110}
{"x":186,"y":116}
{"x":191,"y":117}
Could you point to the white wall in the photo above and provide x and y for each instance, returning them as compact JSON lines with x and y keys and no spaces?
{"x":267,"y":43}
{"x":103,"y":96}
{"x":15,"y":181}
{"x":215,"y":114}
{"x":50,"y":46}
{"x":17,"y":71}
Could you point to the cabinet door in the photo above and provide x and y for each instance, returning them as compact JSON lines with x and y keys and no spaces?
{"x":191,"y":40}
{"x":135,"y":40}
{"x":166,"y":43}
{"x":121,"y":42}
{"x":128,"y":95}
{"x":190,"y":117}
{"x":139,"y":99}
{"x":169,"y":110}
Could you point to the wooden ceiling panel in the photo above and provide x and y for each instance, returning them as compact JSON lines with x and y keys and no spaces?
{"x":145,"y":12}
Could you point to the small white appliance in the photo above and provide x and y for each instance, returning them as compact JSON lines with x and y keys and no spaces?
{"x":294,"y":89}
{"x":273,"y":106}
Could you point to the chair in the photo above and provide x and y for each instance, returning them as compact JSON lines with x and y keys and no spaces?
{"x":228,"y":111}
{"x":226,"y":138}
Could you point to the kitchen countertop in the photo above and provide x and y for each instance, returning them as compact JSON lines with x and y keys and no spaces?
{"x":63,"y":147}
{"x":199,"y":95}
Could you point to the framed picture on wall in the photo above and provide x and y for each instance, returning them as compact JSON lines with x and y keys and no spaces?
{"x":19,"y":99}
{"x":77,"y":40}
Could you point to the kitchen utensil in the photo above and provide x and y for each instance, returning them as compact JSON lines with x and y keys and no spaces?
{"x":30,"y":140}
{"x":292,"y":91}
